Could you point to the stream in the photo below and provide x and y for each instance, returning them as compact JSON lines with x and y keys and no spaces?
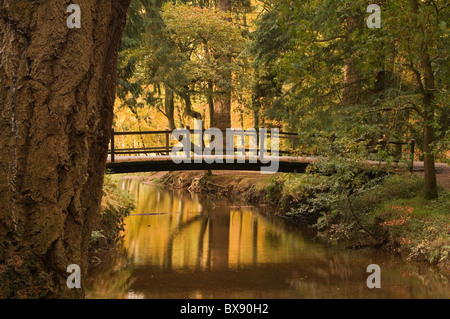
{"x":182,"y":245}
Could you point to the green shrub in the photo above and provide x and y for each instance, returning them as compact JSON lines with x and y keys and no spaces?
{"x":274,"y":190}
{"x":117,"y":204}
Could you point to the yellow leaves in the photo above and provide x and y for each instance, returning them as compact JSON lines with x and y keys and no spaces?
{"x":197,"y":29}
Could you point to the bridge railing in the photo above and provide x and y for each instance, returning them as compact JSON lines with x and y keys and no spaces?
{"x":166,"y":148}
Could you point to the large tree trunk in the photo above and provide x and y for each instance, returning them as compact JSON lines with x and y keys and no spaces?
{"x":427,"y":88}
{"x":57,"y":90}
{"x":221,"y":118}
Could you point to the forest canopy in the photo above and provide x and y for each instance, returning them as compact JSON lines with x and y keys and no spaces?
{"x":312,"y":67}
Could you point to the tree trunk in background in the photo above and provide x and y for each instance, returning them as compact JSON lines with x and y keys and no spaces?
{"x":188,"y":111}
{"x":221,"y":118}
{"x":351,"y":93}
{"x":222,"y":110}
{"x":428,"y":89}
{"x":169,"y":106}
{"x":56,"y":108}
{"x":431,"y":190}
{"x":210,"y":103}
{"x":224,"y":5}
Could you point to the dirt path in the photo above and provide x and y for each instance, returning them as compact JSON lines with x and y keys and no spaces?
{"x":442,"y":173}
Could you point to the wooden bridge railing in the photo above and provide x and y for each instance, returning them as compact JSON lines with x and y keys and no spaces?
{"x":166,"y":149}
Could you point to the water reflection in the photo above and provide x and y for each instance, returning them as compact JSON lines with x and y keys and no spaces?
{"x":180,"y":245}
{"x":192,"y":233}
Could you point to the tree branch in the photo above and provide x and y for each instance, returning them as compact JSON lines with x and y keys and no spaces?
{"x":418,"y":76}
{"x":157,"y":108}
{"x":392,"y":109}
{"x":331,"y":39}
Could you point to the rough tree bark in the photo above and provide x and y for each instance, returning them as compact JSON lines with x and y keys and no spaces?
{"x":57,"y":90}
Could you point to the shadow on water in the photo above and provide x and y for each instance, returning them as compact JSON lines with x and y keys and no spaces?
{"x":182,"y":245}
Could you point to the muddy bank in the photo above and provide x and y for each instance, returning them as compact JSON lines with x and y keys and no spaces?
{"x":240,"y":187}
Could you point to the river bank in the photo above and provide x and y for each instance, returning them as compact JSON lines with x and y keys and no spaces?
{"x":392,"y":216}
{"x":241,"y":186}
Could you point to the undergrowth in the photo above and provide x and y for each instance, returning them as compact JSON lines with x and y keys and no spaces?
{"x":116,"y":205}
{"x":355,"y":207}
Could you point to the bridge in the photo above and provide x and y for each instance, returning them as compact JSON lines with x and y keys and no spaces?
{"x":165,"y":163}
{"x":159,"y":158}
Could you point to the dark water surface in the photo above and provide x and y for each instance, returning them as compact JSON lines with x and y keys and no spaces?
{"x":181,"y":245}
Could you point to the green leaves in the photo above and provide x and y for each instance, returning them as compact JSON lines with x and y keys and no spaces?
{"x":319,"y":51}
{"x":179,"y":47}
{"x":202,"y":38}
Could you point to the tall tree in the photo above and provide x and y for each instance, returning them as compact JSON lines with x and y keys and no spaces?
{"x":221,"y":118}
{"x":57,"y":93}
{"x":420,"y":61}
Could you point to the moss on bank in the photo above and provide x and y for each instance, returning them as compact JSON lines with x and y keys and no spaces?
{"x":117,"y":204}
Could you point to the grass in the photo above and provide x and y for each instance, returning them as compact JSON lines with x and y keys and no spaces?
{"x":419,"y":228}
{"x":437,"y":209}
